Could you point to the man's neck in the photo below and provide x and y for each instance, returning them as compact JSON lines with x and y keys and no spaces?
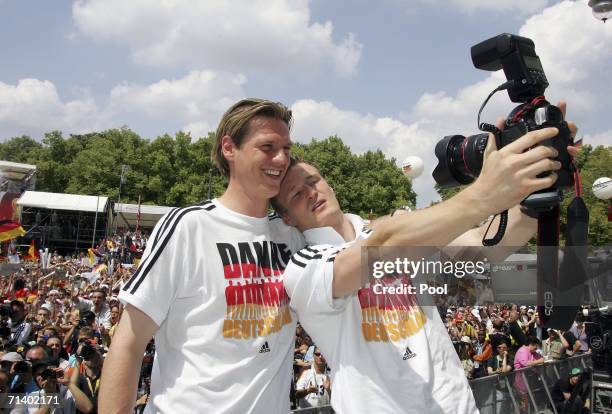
{"x":344,"y":228}
{"x":238,"y":199}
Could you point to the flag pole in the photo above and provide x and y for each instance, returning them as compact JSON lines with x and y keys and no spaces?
{"x":138,"y":217}
{"x":93,"y":238}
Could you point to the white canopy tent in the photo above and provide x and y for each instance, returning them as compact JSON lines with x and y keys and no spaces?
{"x":127,"y":215}
{"x":57,"y":201}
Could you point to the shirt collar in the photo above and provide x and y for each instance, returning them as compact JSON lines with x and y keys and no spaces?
{"x":327,"y":235}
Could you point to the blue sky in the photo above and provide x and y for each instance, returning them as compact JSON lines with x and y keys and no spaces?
{"x":391,"y":74}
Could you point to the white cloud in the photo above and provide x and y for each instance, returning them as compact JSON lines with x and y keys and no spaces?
{"x":602,"y":138}
{"x":264,"y":35}
{"x":193,"y":103}
{"x":199,"y":96}
{"x":471,"y":6}
{"x":33,"y":107}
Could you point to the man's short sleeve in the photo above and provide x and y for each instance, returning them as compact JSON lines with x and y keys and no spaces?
{"x":162,"y":275}
{"x":308,"y":280}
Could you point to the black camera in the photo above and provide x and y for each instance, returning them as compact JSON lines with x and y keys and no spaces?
{"x":51,"y":373}
{"x":460,"y":158}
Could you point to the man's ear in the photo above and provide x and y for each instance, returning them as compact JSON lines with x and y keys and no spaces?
{"x":287,"y":220}
{"x":228,"y":148}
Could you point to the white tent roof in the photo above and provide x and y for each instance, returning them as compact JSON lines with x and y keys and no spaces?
{"x":57,"y":201}
{"x":127,"y":214}
{"x":15,"y":170}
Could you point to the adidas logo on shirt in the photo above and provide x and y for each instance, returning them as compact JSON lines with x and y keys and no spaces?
{"x":407,"y":355}
{"x":264,"y":348}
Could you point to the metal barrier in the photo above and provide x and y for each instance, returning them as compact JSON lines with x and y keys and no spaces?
{"x":327,"y":409}
{"x":526,"y":390}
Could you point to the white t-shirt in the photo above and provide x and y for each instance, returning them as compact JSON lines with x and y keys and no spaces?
{"x":310,"y":378}
{"x":211,"y":279}
{"x":387,"y":354}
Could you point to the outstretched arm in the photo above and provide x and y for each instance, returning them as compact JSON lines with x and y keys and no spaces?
{"x":508,"y":176}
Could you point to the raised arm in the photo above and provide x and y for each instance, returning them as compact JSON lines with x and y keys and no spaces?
{"x":508,"y":176}
{"x":122,"y":365}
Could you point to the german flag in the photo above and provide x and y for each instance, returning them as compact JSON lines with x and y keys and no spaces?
{"x":10,"y":229}
{"x":32,"y":252}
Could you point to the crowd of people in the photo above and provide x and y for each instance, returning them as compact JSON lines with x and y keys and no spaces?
{"x":57,"y":324}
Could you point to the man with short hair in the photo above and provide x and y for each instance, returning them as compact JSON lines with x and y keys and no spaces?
{"x":364,"y":334}
{"x":209,"y":287}
{"x":20,"y":329}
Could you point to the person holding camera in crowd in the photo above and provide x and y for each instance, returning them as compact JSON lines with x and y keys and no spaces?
{"x":85,"y":378}
{"x":47,"y":383}
{"x":570,"y":394}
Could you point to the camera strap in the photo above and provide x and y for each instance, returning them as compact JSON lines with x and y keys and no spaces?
{"x":560,"y":288}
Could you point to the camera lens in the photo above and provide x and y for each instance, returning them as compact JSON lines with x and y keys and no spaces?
{"x":459,"y":159}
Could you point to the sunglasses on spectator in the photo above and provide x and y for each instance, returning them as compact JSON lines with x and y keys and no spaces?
{"x":317,"y":353}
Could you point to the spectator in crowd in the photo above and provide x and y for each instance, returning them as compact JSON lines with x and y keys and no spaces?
{"x":313,"y":388}
{"x":466,"y":353}
{"x":483,"y":352}
{"x":578,"y":329}
{"x":45,"y":383}
{"x":115,"y":316}
{"x":570,"y":395}
{"x":502,"y":362}
{"x":85,"y":386}
{"x":43,"y":317}
{"x":554,"y":346}
{"x":54,"y":343}
{"x":526,"y":356}
{"x":98,"y":306}
{"x":20,"y":329}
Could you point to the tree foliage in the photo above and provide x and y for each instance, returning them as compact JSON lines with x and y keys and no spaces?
{"x":176,"y":170}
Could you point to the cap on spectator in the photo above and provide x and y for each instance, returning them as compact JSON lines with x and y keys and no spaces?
{"x":18,"y":303}
{"x":53,"y":292}
{"x":475,"y":313}
{"x":466,"y":339}
{"x":530,"y":310}
{"x":523,"y":307}
{"x":12,"y":357}
{"x":575,"y":372}
{"x":47,"y":307}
